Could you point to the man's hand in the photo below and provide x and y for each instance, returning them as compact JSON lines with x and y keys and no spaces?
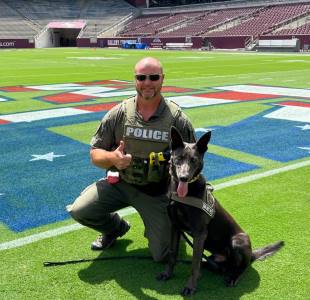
{"x":121,"y":160}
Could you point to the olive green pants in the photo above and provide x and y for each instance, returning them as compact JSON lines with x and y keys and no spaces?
{"x":97,"y":204}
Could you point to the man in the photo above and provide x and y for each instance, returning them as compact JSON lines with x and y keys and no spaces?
{"x":133,"y":139}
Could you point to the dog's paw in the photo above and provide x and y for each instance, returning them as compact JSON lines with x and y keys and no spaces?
{"x":231,"y":282}
{"x":163,"y":276}
{"x":187,"y":291}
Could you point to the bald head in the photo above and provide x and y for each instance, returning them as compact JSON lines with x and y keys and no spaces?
{"x":148,"y":65}
{"x":149,"y":87}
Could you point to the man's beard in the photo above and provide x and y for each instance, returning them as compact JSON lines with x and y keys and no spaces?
{"x":148,"y":97}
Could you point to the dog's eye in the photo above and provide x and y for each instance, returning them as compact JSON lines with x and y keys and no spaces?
{"x":176,"y":160}
{"x":193,"y":160}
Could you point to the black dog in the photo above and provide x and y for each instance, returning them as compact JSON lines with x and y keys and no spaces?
{"x":210,"y":225}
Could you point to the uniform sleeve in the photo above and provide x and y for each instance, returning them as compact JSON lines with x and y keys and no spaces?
{"x":184,"y":125}
{"x":105,"y":136}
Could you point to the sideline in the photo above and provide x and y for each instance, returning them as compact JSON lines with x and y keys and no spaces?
{"x":128,"y":211}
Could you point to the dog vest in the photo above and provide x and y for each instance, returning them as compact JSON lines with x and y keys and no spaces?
{"x":143,"y":139}
{"x":207,"y":204}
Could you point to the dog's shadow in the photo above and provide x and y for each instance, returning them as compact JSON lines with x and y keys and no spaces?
{"x":137,"y":276}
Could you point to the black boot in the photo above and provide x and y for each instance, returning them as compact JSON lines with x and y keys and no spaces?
{"x":106,"y":241}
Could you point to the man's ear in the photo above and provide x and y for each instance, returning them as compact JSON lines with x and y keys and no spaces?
{"x":176,"y":139}
{"x":202,"y":143}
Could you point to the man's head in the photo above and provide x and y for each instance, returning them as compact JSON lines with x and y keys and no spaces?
{"x":149,"y":78}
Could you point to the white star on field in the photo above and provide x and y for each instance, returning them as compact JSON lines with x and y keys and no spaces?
{"x":305,"y":148}
{"x":304,"y":127}
{"x":48,"y":156}
{"x":203,"y":129}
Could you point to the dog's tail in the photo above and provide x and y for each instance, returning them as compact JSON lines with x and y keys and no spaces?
{"x":262,"y":253}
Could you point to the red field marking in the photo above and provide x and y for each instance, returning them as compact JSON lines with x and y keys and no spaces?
{"x":16,"y":89}
{"x":4,"y":122}
{"x":239,"y":96}
{"x":98,"y":107}
{"x":174,"y":89}
{"x":293,"y":103}
{"x":67,"y":98}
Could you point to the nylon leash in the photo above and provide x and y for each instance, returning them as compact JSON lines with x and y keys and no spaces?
{"x":68,"y":262}
{"x":83,"y":260}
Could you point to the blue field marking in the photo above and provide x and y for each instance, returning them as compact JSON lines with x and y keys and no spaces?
{"x":216,"y":167}
{"x":273,"y":139}
{"x":36,"y":192}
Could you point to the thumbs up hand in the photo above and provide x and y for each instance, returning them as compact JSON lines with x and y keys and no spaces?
{"x":122,"y":160}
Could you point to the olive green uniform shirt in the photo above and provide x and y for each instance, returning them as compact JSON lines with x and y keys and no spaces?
{"x":111,"y":132}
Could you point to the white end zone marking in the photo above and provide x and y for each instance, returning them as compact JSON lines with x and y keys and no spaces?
{"x":57,"y":87}
{"x":257,"y":89}
{"x":194,"y":101}
{"x":43,"y":114}
{"x":291,"y":113}
{"x":128,"y":211}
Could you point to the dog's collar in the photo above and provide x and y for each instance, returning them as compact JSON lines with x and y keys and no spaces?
{"x":194,"y":179}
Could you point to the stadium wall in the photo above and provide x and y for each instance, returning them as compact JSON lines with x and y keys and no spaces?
{"x":150,"y":42}
{"x":16,"y":43}
{"x":303,"y":39}
{"x":227,"y":42}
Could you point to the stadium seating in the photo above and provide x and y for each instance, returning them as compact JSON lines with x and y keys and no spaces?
{"x":236,"y":21}
{"x":265,"y":20}
{"x":246,"y":21}
{"x":304,"y":29}
{"x":208,"y":21}
{"x":152,"y":25}
{"x":34,"y":15}
{"x":12,"y":25}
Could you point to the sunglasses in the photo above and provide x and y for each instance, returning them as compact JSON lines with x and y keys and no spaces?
{"x":152,"y":77}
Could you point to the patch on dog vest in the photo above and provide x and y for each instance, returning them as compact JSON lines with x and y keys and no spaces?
{"x":207,"y":204}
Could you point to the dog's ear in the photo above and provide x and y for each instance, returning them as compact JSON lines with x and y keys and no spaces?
{"x":202,"y":143}
{"x":176,"y":139}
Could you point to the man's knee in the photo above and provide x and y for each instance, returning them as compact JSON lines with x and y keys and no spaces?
{"x":82,"y":208}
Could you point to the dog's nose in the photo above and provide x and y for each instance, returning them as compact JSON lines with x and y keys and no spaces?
{"x":183,"y":178}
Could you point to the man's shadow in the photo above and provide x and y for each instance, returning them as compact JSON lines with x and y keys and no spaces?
{"x":136,"y":275}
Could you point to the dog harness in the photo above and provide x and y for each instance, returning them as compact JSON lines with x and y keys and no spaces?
{"x":207,"y":204}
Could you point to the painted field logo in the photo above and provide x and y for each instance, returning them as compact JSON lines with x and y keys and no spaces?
{"x":41,"y":150}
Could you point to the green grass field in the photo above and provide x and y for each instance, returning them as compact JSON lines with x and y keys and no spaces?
{"x":274,"y":207}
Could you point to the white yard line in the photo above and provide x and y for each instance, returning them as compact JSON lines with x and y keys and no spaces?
{"x":128,"y":211}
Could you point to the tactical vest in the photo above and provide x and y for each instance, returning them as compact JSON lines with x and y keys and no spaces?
{"x":143,"y":139}
{"x":206,"y":203}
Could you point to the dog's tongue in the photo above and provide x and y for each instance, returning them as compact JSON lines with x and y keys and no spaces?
{"x":182,"y":189}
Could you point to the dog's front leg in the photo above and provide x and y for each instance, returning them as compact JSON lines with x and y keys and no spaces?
{"x":198,"y":248}
{"x":173,"y":253}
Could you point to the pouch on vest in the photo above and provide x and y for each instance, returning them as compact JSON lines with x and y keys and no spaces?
{"x":158,"y":167}
{"x":145,"y":138}
{"x":137,"y":172}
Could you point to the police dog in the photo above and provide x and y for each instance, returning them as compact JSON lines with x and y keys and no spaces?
{"x":213,"y":229}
